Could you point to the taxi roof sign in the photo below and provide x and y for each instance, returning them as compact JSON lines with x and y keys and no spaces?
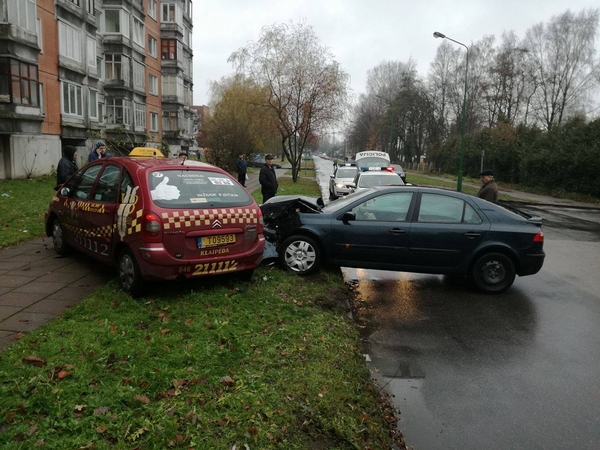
{"x":146,"y":152}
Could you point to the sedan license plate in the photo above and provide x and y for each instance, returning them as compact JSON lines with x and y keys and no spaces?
{"x":214,"y":241}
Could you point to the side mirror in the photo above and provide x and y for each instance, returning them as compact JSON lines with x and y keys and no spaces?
{"x":351,"y":185}
{"x":332,"y":176}
{"x":348,"y":216}
{"x":65,"y":191}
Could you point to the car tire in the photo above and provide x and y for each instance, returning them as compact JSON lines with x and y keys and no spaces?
{"x":130,"y":277}
{"x":58,"y":238}
{"x":300,"y":255}
{"x":493,"y":273}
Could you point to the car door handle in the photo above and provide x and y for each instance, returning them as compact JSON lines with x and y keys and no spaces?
{"x":472,"y":234}
{"x":398,"y":231}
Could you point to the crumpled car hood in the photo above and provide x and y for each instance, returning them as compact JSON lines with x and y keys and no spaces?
{"x":281,"y":214}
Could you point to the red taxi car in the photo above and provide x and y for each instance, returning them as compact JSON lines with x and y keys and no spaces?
{"x":157,"y":218}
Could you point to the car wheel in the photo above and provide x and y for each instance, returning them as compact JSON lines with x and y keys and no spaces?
{"x":300,"y":255}
{"x":130,"y":277}
{"x":58,"y":238}
{"x":493,"y":273}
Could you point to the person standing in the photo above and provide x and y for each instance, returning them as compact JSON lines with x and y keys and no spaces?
{"x":268,"y":179}
{"x":489,"y":188}
{"x":66,"y":166}
{"x":241,"y":167}
{"x":99,"y":152}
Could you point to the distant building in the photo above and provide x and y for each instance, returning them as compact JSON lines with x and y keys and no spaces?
{"x":73,"y":71}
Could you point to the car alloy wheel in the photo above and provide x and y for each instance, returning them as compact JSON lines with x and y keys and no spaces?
{"x":300,"y":255}
{"x":493,"y":273}
{"x":130,"y":278}
{"x":58,"y":238}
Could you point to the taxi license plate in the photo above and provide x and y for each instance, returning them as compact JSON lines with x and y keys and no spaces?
{"x":214,"y":241}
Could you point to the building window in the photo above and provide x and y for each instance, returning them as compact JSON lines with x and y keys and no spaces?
{"x":75,"y":2}
{"x":153,"y":84}
{"x":152,"y":8}
{"x":172,"y":85}
{"x":69,"y":41}
{"x":90,"y":7}
{"x":93,"y":104}
{"x":170,"y":120}
{"x":39,"y":35}
{"x":139,"y":75}
{"x":169,"y":48}
{"x":116,"y":67}
{"x":168,"y":12}
{"x":190,"y":10}
{"x":118,"y":111}
{"x":99,"y":67}
{"x":91,"y":52}
{"x":72,"y":102}
{"x":152,"y":46}
{"x":154,"y":121}
{"x":116,"y":21}
{"x":19,"y":82}
{"x":22,"y":13}
{"x":42,"y":101}
{"x":139,"y":110}
{"x":138,"y":32}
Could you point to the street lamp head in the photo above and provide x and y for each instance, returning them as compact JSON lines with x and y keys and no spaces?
{"x":437,"y":34}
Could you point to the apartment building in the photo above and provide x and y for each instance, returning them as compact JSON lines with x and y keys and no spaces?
{"x":74,"y":71}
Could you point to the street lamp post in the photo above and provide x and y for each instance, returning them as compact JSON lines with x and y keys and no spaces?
{"x":437,"y":34}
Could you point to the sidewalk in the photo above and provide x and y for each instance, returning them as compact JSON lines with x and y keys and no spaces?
{"x":37,"y":285}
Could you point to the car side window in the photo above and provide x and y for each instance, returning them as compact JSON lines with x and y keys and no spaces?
{"x":436,"y":208}
{"x":108,"y":185}
{"x":126,"y":187}
{"x":84,"y":186}
{"x":391,"y":207}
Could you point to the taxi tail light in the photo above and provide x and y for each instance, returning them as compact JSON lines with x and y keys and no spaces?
{"x":261,"y":221}
{"x":151,"y":227}
{"x":539,"y":237}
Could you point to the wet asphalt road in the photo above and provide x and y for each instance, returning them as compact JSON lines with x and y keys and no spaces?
{"x":520,"y":370}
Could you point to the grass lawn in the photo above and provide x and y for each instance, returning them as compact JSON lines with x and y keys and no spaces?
{"x":211,"y":364}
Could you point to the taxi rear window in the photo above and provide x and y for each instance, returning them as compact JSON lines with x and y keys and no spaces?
{"x":195,"y":188}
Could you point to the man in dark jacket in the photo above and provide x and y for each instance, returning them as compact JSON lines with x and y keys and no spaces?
{"x":268,"y":179}
{"x":489,"y":188}
{"x":241,"y":168}
{"x":99,"y":152}
{"x":66,"y":166}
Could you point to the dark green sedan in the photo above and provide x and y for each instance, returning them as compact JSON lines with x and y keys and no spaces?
{"x":410,"y":229}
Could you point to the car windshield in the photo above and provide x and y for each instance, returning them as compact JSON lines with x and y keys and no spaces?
{"x":344,"y":172}
{"x":368,"y":181}
{"x":196,"y":188}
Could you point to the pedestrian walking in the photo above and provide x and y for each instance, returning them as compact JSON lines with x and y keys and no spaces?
{"x":242,"y":169}
{"x":99,"y":152}
{"x":66,"y":166}
{"x":268,"y":179}
{"x":489,"y":188}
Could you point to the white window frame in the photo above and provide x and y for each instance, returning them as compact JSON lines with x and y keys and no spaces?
{"x":75,"y":2}
{"x":154,"y":122}
{"x":152,"y":46}
{"x":171,"y":13}
{"x":74,"y":104}
{"x":139,"y":112}
{"x":122,"y":26}
{"x":114,"y":104}
{"x":91,"y":52}
{"x":40,"y":40}
{"x":153,"y":84}
{"x":90,"y":7}
{"x":23,"y":14}
{"x":123,"y":63}
{"x":93,"y":105}
{"x":172,"y":85}
{"x":139,"y":32}
{"x":152,"y":8}
{"x":69,"y":39}
{"x":139,"y":74}
{"x":42,"y":100}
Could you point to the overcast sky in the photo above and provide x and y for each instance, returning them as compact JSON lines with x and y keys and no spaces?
{"x":360,"y":33}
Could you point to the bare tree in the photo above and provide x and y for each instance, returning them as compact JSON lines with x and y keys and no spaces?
{"x":566,"y":69}
{"x":307,"y":88}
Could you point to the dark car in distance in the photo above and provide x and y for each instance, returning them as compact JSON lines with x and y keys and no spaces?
{"x":410,"y":229}
{"x":259,"y":161}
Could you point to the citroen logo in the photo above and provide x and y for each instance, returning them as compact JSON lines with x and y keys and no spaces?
{"x":217,"y":224}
